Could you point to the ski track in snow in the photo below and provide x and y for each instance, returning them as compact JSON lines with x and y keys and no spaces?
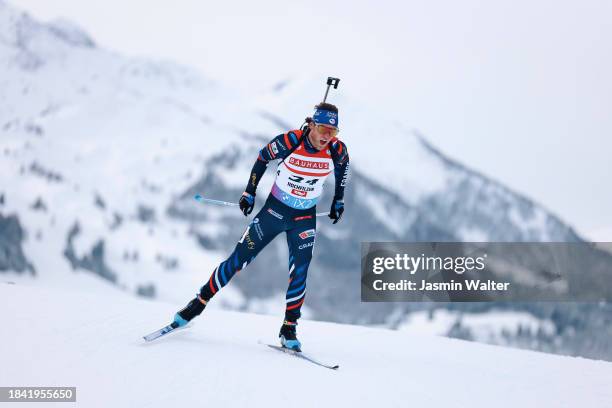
{"x":57,"y":337}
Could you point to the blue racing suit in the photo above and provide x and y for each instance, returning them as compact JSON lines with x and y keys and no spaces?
{"x":290,"y":207}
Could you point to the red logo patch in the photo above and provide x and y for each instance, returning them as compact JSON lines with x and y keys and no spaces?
{"x":307,"y":234}
{"x":308,"y":164}
{"x":299,"y":192}
{"x":303,"y":217}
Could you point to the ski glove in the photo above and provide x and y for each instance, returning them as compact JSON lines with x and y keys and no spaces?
{"x":247,"y":203}
{"x":337,"y":208}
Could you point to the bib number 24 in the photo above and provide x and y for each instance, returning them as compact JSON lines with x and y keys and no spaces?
{"x":299,"y":179}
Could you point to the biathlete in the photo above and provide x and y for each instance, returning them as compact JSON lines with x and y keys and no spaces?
{"x":307,"y":157}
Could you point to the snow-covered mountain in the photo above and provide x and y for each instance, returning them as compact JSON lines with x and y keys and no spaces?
{"x":101,"y":154}
{"x":67,"y":338}
{"x":95,"y":147}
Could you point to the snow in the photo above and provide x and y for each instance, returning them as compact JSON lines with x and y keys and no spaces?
{"x":485,"y":327}
{"x":133,"y":132}
{"x":93,"y":341}
{"x":532,"y":224}
{"x":473,"y":235}
{"x":490,"y":327}
{"x":396,"y":221}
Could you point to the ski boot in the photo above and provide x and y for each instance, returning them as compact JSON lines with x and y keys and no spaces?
{"x":288,"y":337}
{"x":186,"y":314}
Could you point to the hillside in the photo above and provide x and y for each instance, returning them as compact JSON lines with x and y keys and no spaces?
{"x":93,"y":341}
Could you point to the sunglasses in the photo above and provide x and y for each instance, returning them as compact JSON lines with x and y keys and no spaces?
{"x":326,"y":129}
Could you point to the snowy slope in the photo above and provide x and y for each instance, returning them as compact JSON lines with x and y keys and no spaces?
{"x":93,"y":342}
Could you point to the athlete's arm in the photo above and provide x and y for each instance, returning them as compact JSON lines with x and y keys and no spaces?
{"x":340,"y":156}
{"x":278,"y":148}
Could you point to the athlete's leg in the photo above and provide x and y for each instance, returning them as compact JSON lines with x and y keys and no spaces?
{"x":300,"y":239}
{"x":258,"y":234}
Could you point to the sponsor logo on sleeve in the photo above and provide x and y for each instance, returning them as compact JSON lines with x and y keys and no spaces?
{"x":345,"y":176}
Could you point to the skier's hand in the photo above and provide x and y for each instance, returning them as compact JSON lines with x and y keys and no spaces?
{"x":247,"y":203}
{"x":337,"y":208}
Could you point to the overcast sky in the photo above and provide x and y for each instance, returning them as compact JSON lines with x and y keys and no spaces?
{"x":519,"y":90}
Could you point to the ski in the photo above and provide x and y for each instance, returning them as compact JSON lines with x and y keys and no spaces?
{"x":161,"y":332}
{"x":303,"y":356}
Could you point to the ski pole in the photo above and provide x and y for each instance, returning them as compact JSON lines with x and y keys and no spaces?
{"x":201,"y":199}
{"x":198,"y":197}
